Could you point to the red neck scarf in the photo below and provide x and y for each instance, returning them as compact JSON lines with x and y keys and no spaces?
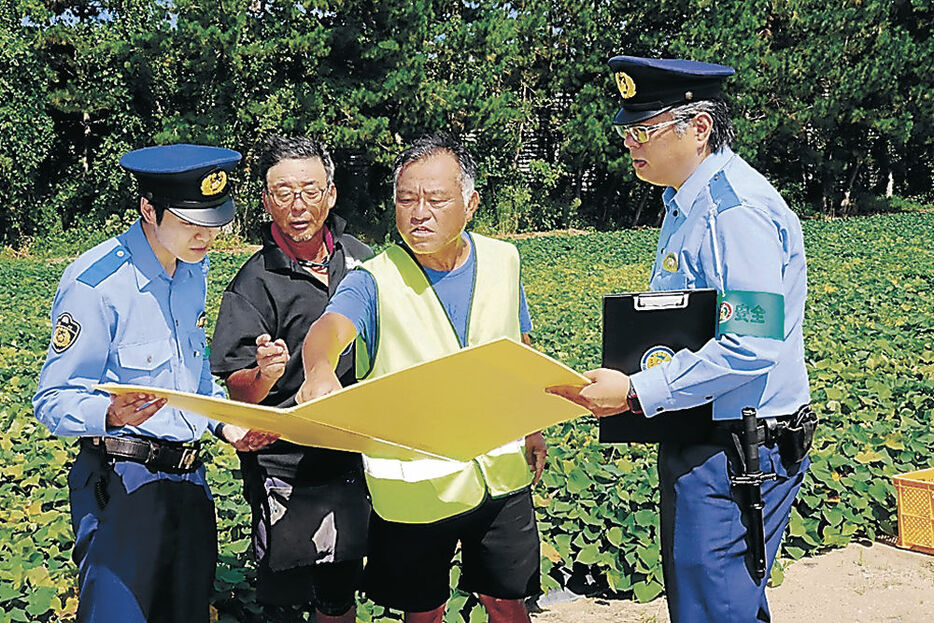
{"x":288,"y":246}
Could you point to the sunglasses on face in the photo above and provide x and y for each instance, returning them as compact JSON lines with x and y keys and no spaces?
{"x":641,"y":133}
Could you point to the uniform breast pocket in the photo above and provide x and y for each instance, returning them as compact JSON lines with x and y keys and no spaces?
{"x":670,"y":281}
{"x":142,"y":363}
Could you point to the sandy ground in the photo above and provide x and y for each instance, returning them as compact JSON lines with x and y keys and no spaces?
{"x":858,"y":584}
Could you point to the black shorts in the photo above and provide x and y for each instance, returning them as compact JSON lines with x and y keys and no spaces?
{"x":331,"y":587}
{"x":309,"y":539}
{"x":408,"y":565}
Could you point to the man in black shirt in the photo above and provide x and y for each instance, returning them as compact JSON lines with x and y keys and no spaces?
{"x":309,"y":505}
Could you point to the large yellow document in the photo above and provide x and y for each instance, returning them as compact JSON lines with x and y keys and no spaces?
{"x":455,"y":407}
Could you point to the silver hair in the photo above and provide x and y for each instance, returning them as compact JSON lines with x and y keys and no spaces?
{"x":721,"y":133}
{"x":434,"y":144}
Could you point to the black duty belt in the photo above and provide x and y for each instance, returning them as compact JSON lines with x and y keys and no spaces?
{"x":769,"y":430}
{"x":156,"y":454}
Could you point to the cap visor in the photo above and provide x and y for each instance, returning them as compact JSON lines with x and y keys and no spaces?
{"x":629,"y":117}
{"x":217,"y":216}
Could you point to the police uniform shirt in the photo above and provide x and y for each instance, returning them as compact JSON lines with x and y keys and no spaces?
{"x":118,"y":317}
{"x":273,"y":294}
{"x":727,"y":228}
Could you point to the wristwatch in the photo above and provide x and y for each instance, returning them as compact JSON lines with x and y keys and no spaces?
{"x":633,"y":401}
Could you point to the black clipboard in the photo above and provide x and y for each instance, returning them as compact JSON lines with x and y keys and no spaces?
{"x":642,"y":329}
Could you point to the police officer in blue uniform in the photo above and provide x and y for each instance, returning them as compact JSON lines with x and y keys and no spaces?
{"x":726,"y":228}
{"x":132,"y":310}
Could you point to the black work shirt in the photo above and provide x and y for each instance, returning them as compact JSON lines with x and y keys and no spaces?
{"x":272,"y":294}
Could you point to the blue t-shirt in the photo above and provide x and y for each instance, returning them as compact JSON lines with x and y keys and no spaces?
{"x":355,"y":299}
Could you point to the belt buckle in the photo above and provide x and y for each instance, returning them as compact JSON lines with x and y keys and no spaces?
{"x":189,"y":456}
{"x":153,"y":452}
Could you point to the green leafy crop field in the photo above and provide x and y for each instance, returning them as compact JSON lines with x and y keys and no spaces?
{"x":870,"y":352}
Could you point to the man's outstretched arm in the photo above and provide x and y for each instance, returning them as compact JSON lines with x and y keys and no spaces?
{"x":326,"y":340}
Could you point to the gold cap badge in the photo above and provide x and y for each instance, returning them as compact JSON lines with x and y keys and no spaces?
{"x":214,"y":183}
{"x":627,"y":88}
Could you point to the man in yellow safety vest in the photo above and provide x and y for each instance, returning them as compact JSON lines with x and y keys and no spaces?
{"x":441,"y":291}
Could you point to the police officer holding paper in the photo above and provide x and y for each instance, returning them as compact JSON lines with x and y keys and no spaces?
{"x":726,"y":228}
{"x":132,"y":310}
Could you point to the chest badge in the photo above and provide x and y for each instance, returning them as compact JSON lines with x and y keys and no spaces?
{"x":65,"y":333}
{"x":670,"y":263}
{"x":655,"y":356}
{"x":202,"y":320}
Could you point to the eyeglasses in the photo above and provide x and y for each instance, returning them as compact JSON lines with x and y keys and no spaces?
{"x":642,"y":133}
{"x":284,"y":197}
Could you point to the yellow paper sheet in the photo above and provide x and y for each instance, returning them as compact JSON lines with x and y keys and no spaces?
{"x":458,"y":406}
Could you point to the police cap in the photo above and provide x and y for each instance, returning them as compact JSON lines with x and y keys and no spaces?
{"x":651,"y":86}
{"x":190,"y":180}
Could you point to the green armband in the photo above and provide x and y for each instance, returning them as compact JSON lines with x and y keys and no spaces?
{"x":759,"y":314}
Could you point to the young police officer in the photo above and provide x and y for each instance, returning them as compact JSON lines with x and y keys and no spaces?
{"x":726,"y":228}
{"x":131,"y":310}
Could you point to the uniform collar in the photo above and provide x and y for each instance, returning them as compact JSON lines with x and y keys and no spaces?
{"x":685,"y":197}
{"x":148,"y":267}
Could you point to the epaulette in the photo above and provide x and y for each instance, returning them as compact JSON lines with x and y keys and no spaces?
{"x":105,"y":266}
{"x":722,"y":192}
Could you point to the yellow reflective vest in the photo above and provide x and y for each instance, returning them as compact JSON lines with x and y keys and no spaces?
{"x":413,"y":327}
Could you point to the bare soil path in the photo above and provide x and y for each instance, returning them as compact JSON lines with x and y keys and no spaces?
{"x":857,"y":584}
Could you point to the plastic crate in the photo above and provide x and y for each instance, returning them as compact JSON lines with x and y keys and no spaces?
{"x":914,"y":493}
